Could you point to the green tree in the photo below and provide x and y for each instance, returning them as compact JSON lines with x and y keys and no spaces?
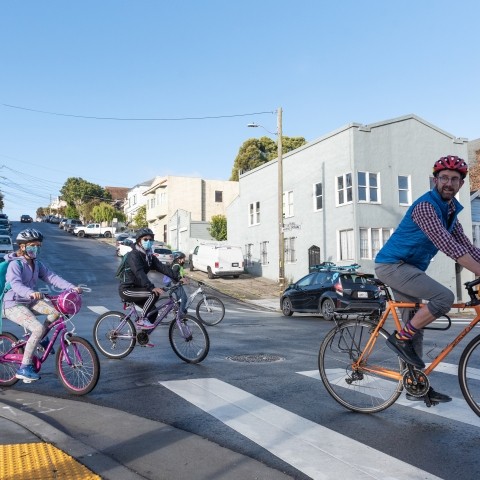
{"x":71,"y":212}
{"x":104,"y":212}
{"x":140,"y":219}
{"x":76,"y":191}
{"x":218,"y":227}
{"x":257,"y":151}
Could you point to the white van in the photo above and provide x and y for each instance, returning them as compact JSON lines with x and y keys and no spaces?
{"x":217,"y":260}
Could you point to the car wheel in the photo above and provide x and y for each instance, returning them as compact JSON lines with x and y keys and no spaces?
{"x":328,"y":309}
{"x":287,"y":307}
{"x":210,"y":273}
{"x":108,"y":234}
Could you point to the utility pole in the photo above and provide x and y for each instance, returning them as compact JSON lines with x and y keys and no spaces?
{"x":281,"y":246}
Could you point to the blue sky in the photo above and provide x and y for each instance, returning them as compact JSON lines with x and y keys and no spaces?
{"x":326,"y":63}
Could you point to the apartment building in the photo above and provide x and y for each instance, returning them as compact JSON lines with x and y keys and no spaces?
{"x":343,"y":196}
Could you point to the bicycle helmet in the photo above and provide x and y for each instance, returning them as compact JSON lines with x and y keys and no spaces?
{"x":451,"y":162}
{"x":143,"y":232}
{"x":29,"y":235}
{"x":178,"y":255}
{"x":69,"y":302}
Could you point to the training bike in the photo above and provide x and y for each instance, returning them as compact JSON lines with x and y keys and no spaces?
{"x":115,"y":333}
{"x":210,"y":309}
{"x":76,"y":361}
{"x":361,"y":373}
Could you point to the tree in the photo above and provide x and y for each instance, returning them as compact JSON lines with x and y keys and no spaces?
{"x":475,"y":173}
{"x":140,"y":219}
{"x":77,"y":191}
{"x":257,"y":151}
{"x":71,"y":212}
{"x":218,"y":227}
{"x":104,"y":212}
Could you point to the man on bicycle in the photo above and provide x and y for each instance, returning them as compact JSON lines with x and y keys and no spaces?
{"x":430,"y":225}
{"x":135,"y":285}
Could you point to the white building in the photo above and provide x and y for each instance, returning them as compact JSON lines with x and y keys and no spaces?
{"x":344,"y":194}
{"x":136,"y":199}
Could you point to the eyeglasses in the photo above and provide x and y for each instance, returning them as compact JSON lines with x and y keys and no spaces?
{"x":445,"y":179}
{"x":147,"y":239}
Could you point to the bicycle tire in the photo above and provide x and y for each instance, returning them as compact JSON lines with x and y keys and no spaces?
{"x":7,"y":369}
{"x":109,"y":340}
{"x":82,"y":376}
{"x":468,"y":374}
{"x":359,"y":391}
{"x":195,"y":347}
{"x":210,"y":312}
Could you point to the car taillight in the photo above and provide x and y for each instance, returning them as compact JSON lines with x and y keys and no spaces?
{"x":338,"y":288}
{"x":217,"y":264}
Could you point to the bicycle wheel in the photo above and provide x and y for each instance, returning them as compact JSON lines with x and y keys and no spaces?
{"x":358,"y":390}
{"x":8,"y":369}
{"x":79,"y":369}
{"x":469,"y":374}
{"x":191,"y":343}
{"x":210,"y":310}
{"x":114,"y":335}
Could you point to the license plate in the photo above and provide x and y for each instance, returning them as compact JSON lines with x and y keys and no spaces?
{"x":362,"y":294}
{"x":234,"y":264}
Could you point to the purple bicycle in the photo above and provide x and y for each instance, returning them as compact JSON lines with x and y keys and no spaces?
{"x":76,"y":361}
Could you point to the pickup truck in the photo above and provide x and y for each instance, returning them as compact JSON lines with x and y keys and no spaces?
{"x":93,"y":230}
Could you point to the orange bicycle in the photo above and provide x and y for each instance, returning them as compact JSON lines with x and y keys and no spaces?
{"x":361,"y":373}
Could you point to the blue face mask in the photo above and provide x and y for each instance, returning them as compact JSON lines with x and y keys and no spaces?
{"x":32,"y":251}
{"x":147,"y":244}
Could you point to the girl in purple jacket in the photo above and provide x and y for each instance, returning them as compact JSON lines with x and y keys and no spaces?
{"x":23,"y":301}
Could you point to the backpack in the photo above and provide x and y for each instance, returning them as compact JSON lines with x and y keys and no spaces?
{"x":4,"y":285}
{"x":122,"y":268}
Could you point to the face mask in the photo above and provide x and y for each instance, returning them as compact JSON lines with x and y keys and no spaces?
{"x":32,"y":251}
{"x":147,"y":244}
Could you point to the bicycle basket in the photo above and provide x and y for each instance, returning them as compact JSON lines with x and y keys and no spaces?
{"x":69,"y":302}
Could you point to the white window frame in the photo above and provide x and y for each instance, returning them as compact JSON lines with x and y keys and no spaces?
{"x":317,"y":197}
{"x":289,"y":250}
{"x":345,"y":191}
{"x":248,"y":254}
{"x":253,"y":214}
{"x":367,"y":239}
{"x":345,"y":244}
{"x":264,"y":253}
{"x":288,"y":204}
{"x":408,"y":190}
{"x":369,"y":189}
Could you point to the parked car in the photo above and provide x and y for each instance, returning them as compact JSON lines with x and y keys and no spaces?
{"x":71,"y":223}
{"x":55,"y":220}
{"x":26,"y":219}
{"x":4,"y":223}
{"x":124,"y":246}
{"x":93,"y":230}
{"x":334,"y":291}
{"x":164,"y":254}
{"x":4,"y":215}
{"x":217,"y":260}
{"x":4,"y":231}
{"x":61,"y":225}
{"x":6,"y":245}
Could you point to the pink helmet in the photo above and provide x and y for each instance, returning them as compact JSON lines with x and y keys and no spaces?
{"x":69,"y":302}
{"x":451,"y":162}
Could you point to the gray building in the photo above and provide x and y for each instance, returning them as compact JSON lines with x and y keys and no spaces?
{"x":343,"y":195}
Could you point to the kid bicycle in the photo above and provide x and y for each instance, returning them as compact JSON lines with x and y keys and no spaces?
{"x":210,"y":309}
{"x":361,"y":373}
{"x":76,"y":361}
{"x":115,"y":333}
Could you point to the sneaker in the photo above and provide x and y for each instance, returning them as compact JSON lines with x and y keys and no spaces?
{"x":144,"y":323}
{"x":404,"y":349}
{"x":434,"y":397}
{"x":27,"y":374}
{"x":44,"y":344}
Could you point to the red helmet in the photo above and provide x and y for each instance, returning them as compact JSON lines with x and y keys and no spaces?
{"x":451,"y":162}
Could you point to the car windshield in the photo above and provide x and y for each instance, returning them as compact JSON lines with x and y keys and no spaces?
{"x":5,"y":241}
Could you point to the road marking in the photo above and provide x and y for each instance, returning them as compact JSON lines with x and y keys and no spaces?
{"x":316,"y":451}
{"x":98,"y":310}
{"x":456,"y":410}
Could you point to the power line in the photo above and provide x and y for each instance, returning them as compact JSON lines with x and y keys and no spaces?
{"x":91,"y":117}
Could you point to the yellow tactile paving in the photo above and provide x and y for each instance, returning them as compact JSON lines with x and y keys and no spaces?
{"x":40,"y":461}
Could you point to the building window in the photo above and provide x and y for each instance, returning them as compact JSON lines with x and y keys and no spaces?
{"x":372,"y":240}
{"x":264,"y":253}
{"x":134,"y":199}
{"x":317,"y":196}
{"x":345,"y":245}
{"x":368,"y":187}
{"x":254,"y":214}
{"x":289,"y":247}
{"x":288,"y":204}
{"x":404,"y":190}
{"x":218,"y":196}
{"x":248,"y":254}
{"x":344,"y":189}
{"x":152,"y":202}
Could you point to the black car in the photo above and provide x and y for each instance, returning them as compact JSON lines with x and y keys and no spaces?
{"x":26,"y":219}
{"x":334,"y":291}
{"x":71,"y":223}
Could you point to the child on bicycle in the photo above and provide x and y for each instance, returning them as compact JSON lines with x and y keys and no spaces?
{"x":135,"y":285}
{"x":177,"y":268}
{"x":23,"y":302}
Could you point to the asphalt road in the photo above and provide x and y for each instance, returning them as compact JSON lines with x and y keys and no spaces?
{"x":265,"y":365}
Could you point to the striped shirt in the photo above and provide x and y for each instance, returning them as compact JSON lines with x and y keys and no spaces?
{"x":454,"y":244}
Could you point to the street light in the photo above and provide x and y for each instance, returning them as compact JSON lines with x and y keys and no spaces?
{"x":281,"y":247}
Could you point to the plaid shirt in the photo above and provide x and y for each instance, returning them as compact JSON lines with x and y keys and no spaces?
{"x":454,"y":244}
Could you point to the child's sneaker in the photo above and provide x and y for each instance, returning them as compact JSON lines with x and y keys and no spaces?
{"x":27,"y":374}
{"x":144,"y":323}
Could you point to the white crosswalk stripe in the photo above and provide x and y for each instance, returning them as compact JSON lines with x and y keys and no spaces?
{"x":98,"y":310}
{"x":314,"y":450}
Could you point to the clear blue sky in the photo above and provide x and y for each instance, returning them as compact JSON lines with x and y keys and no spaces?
{"x":326,"y":63}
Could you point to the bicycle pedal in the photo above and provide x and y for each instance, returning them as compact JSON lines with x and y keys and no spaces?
{"x":148,"y":345}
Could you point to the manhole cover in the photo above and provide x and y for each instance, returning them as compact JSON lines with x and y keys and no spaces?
{"x":256,"y":358}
